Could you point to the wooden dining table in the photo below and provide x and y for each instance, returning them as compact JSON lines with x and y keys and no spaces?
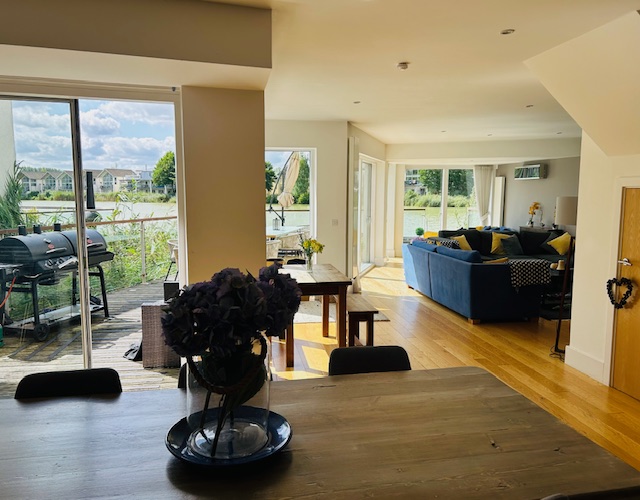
{"x":324,"y":281}
{"x":452,"y":433}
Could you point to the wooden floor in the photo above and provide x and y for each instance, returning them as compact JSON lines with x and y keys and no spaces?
{"x":111,"y":338}
{"x":518,"y":353}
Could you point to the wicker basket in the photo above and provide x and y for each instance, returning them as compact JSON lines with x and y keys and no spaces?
{"x":155,"y":353}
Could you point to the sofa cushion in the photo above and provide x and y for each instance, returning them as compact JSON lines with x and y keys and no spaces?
{"x":424,"y":244}
{"x":561,"y":243}
{"x":472,"y":256}
{"x":496,"y":242}
{"x":531,"y":241}
{"x":472,"y":235}
{"x":545,"y":247}
{"x":511,"y":245}
{"x":462,"y":242}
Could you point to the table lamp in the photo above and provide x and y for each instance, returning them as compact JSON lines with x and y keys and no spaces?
{"x":566,"y":210}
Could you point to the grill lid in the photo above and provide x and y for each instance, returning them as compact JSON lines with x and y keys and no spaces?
{"x":26,"y":249}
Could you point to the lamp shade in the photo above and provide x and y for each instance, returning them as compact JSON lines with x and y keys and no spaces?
{"x":566,"y":210}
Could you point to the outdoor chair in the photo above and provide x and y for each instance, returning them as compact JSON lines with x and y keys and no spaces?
{"x":69,"y":383}
{"x":173,"y":255}
{"x":367,"y":359}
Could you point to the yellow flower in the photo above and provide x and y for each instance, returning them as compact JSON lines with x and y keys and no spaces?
{"x":311,"y":246}
{"x":534,"y":206}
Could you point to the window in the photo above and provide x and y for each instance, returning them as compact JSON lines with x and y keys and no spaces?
{"x":439,"y":198}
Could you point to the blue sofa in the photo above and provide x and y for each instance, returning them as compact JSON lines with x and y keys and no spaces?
{"x":460,"y":280}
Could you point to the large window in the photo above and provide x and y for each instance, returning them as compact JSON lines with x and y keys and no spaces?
{"x":288,"y":188}
{"x":439,"y":198}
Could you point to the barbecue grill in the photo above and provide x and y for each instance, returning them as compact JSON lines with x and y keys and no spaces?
{"x":41,"y":258}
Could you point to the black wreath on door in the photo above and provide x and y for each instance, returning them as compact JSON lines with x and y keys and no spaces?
{"x":625,"y":297}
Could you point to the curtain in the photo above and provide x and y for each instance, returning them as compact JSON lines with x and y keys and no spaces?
{"x":483,"y":176}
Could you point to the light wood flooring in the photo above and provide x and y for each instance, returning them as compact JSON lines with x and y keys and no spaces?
{"x":518,"y":353}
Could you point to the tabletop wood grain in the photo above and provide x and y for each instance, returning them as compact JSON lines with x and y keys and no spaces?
{"x":446,"y":433}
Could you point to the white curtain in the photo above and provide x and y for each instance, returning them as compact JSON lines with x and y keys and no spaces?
{"x":483,"y":176}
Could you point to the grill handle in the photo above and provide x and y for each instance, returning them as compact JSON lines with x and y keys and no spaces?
{"x":54,"y":250}
{"x":95,"y":245}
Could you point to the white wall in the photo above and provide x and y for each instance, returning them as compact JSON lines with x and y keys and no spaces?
{"x":562,"y":180}
{"x":601,"y":178}
{"x":329,"y":139}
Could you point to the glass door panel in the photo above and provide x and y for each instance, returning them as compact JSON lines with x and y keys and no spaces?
{"x":422,"y":201}
{"x":365,"y":173}
{"x":461,"y":201}
{"x":128,"y":148}
{"x":39,"y":249}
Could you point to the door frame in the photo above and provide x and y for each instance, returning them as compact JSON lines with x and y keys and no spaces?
{"x":616,"y":222}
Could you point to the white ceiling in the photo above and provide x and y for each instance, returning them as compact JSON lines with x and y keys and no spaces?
{"x":465,"y":82}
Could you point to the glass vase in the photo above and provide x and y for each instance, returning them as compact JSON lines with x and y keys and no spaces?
{"x":309,"y":262}
{"x":232,"y":423}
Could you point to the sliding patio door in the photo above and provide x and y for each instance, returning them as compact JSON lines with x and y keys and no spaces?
{"x":45,"y":274}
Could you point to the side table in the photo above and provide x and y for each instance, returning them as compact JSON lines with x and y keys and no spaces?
{"x":155,"y":353}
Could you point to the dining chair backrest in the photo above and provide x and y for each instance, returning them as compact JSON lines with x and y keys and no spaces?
{"x":69,"y":383}
{"x":366,"y":359}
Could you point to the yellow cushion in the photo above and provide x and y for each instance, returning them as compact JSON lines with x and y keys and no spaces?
{"x":462,"y":241}
{"x":496,"y":242}
{"x":497,"y":261}
{"x":561,"y":243}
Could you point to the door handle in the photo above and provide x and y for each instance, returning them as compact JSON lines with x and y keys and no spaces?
{"x":625,"y":262}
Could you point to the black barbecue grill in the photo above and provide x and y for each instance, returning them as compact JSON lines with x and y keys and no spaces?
{"x":40,"y":258}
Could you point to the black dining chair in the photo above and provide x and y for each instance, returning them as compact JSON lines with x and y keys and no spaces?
{"x":366,"y":359}
{"x":69,"y":383}
{"x":296,"y":261}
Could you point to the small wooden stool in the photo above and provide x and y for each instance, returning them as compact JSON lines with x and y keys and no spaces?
{"x":359,"y":310}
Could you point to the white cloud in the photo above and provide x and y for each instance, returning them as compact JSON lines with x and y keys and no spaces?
{"x":126,"y":134}
{"x":139,"y":112}
{"x":93,"y":122}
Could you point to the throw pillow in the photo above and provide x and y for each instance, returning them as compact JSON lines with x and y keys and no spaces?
{"x":462,"y":242}
{"x":545,"y":245}
{"x":561,"y":243}
{"x":497,"y":261}
{"x":496,"y":242}
{"x":511,"y":246}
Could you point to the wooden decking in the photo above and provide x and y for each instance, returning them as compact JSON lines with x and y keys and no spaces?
{"x":111,"y":338}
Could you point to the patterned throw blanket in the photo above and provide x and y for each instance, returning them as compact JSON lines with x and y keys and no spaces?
{"x":529,"y":272}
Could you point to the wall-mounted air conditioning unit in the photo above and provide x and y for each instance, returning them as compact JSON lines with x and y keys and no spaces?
{"x":529,"y":172}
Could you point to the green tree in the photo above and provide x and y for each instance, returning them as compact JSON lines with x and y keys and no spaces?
{"x":269,"y":175}
{"x":432,"y":180}
{"x":301,"y":188}
{"x":460,"y":181}
{"x":165,"y":172}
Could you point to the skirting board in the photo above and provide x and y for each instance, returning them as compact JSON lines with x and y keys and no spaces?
{"x":588,"y":365}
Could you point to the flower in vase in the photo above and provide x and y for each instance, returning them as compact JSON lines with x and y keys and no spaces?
{"x":532,"y":211}
{"x":222,"y":321}
{"x":310,"y":246}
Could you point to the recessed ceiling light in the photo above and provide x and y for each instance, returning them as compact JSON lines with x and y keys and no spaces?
{"x":529,"y":106}
{"x":443,"y":131}
{"x":558,"y":133}
{"x":508,"y":31}
{"x":357,"y":102}
{"x":489,"y":135}
{"x":402,"y":65}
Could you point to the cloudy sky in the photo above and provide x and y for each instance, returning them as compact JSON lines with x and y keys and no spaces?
{"x":114,"y":134}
